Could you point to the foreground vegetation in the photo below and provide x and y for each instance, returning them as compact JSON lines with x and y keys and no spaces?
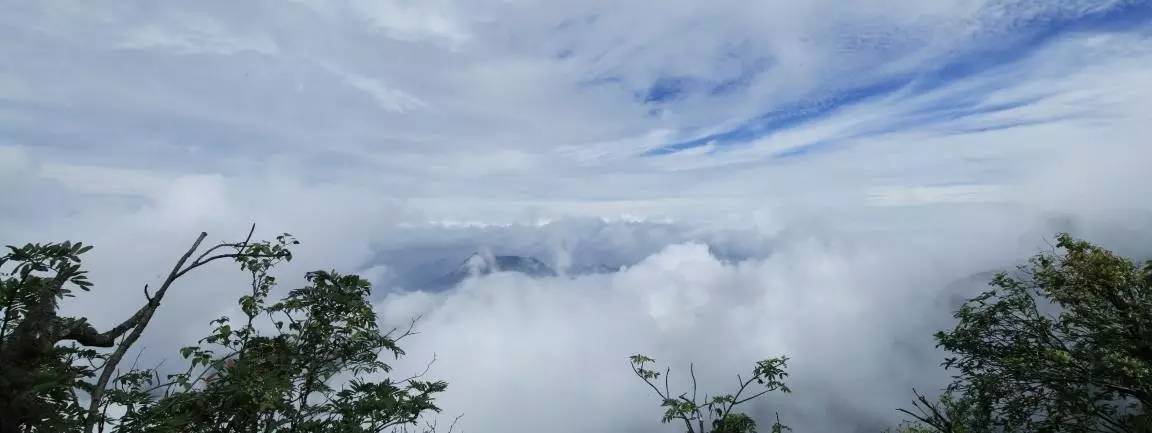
{"x":1062,"y":345}
{"x":1065,"y":346}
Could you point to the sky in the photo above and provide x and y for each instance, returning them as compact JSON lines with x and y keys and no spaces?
{"x":818,"y":179}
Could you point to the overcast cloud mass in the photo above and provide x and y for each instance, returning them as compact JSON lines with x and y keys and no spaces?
{"x":819,"y":179}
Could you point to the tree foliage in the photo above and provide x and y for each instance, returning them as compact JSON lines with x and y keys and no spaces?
{"x":309,"y":362}
{"x":715,"y":414}
{"x":1065,"y":346}
{"x":244,"y":379}
{"x":33,"y":279}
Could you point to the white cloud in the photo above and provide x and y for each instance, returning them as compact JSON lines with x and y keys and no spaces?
{"x":524,"y":354}
{"x":922,"y":195}
{"x":386,"y":131}
{"x":198,"y":37}
{"x":14,"y":161}
{"x":415,"y":20}
{"x":389,"y":99}
{"x":104,"y":180}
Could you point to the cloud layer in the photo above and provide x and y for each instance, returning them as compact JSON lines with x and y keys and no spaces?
{"x":779,"y":178}
{"x":524,"y":355}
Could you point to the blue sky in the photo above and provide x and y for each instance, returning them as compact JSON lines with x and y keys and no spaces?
{"x":822,"y":143}
{"x":979,"y":54}
{"x":421,"y":100}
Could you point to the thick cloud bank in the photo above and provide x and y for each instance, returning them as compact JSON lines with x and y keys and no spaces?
{"x":854,"y":312}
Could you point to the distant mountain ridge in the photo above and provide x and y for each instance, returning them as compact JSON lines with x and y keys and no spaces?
{"x":481,"y":264}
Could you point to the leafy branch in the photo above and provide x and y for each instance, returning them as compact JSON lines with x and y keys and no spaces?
{"x":717,"y":412}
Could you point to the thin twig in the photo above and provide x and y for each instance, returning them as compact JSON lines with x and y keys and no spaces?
{"x":426,"y":369}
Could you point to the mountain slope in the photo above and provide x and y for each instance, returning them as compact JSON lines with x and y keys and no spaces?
{"x":482,"y":264}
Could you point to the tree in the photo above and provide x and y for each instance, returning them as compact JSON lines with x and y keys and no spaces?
{"x":1064,"y":346}
{"x":300,"y":364}
{"x":951,"y":414}
{"x":307,"y":374}
{"x":40,"y":379}
{"x":714,"y":414}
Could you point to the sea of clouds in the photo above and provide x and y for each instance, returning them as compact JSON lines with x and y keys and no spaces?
{"x":395,"y":138}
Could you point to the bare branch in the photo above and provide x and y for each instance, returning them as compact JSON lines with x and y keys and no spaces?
{"x":240,"y":245}
{"x":696,"y":406}
{"x":929,"y":414}
{"x":139,"y":322}
{"x":208,"y":260}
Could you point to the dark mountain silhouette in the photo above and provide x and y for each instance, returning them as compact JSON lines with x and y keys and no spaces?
{"x":483,"y":264}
